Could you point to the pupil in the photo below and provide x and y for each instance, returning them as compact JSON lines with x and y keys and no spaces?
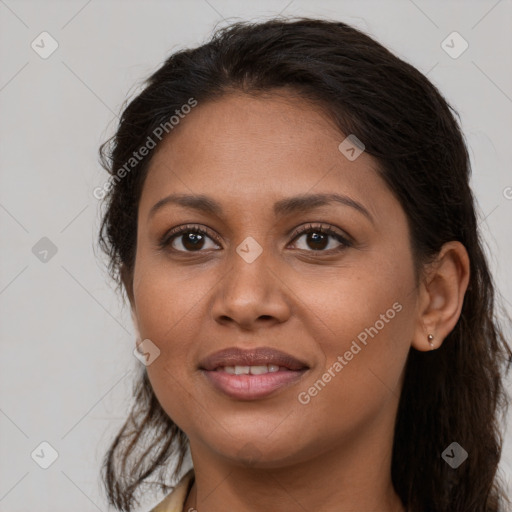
{"x":316,"y":239}
{"x":195,"y":239}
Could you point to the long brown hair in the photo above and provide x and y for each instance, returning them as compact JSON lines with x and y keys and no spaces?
{"x":455,"y":393}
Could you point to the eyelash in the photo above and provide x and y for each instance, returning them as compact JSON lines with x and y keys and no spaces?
{"x":169,"y":237}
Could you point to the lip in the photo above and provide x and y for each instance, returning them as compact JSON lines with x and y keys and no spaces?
{"x":235,"y":356}
{"x":252,"y":387}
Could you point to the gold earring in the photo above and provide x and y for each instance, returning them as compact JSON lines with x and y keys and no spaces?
{"x":430,"y":338}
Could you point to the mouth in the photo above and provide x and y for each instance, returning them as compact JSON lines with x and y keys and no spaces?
{"x":251,"y":374}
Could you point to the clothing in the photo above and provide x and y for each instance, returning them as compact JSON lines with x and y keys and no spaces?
{"x":175,"y":500}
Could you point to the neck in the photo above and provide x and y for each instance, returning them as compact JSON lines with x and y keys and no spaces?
{"x":355,"y":475}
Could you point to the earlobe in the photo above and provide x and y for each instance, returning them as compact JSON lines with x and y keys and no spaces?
{"x":441,"y":296}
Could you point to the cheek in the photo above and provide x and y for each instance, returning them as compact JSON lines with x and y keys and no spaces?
{"x":361,"y":376}
{"x":167,"y":302}
{"x":366,"y":320}
{"x":163,"y":319}
{"x":168,"y":305}
{"x":356,"y":300}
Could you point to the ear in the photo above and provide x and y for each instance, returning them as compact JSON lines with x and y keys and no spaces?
{"x":441,"y":296}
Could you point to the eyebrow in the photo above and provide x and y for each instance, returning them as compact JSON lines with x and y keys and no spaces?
{"x":282,"y":207}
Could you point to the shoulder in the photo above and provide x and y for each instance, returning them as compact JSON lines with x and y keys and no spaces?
{"x":174,"y":501}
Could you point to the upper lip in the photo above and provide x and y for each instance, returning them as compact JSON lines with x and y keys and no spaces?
{"x":251,"y":357}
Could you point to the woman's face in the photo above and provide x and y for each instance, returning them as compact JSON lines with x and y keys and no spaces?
{"x":345,"y":309}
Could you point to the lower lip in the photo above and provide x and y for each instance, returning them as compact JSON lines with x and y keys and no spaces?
{"x":252,"y":387}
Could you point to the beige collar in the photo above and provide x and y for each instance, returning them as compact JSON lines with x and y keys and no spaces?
{"x":175,"y":501}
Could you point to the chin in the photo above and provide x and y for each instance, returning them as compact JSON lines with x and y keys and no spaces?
{"x":257,"y":451}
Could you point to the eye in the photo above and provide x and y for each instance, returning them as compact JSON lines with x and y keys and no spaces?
{"x":187,"y":238}
{"x":195,"y":238}
{"x":317,"y":238}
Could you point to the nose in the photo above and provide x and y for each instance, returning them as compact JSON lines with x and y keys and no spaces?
{"x":251,"y":295}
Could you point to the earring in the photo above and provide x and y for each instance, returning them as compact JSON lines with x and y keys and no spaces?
{"x":430,"y":338}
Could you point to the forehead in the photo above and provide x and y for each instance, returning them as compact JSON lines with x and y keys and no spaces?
{"x":251,"y":149}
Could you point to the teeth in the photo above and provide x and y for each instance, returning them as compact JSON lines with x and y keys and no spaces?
{"x":253,"y":370}
{"x":258,"y":370}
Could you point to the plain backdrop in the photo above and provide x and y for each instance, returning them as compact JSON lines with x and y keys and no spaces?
{"x":67,"y":366}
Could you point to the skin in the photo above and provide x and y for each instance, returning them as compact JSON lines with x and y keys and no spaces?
{"x":334,"y":453}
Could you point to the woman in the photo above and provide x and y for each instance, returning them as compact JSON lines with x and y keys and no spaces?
{"x":291,"y":219}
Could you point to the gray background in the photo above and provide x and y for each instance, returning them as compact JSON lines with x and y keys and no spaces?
{"x":67,"y":366}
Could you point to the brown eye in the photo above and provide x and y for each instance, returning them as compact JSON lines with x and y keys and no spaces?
{"x":187,"y":239}
{"x":317,"y":241}
{"x":192,"y":241}
{"x":320,"y":238}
